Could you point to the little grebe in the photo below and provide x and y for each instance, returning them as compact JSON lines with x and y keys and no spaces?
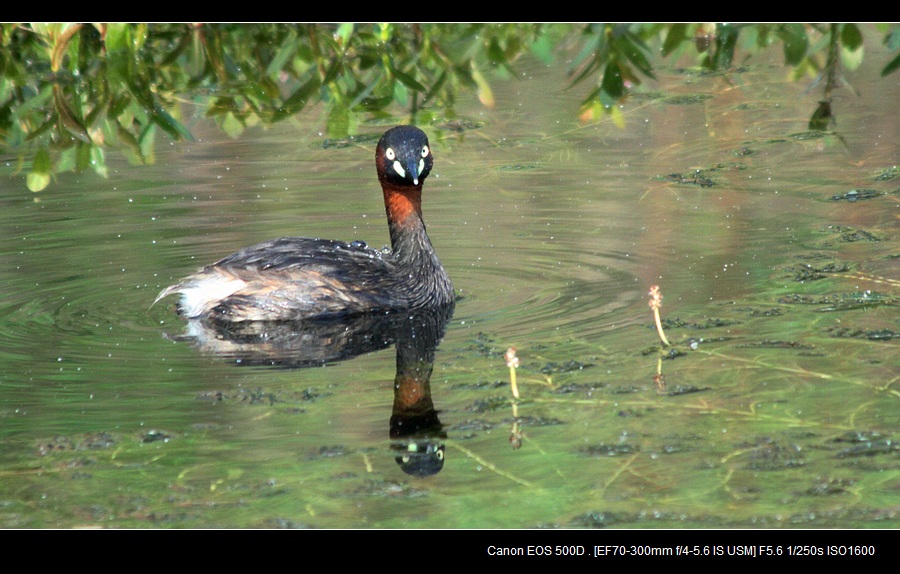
{"x":295,"y":278}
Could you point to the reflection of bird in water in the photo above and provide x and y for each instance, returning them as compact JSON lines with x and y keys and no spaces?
{"x":415,"y":427}
{"x":416,"y":431}
{"x":292,"y":344}
{"x":295,"y":278}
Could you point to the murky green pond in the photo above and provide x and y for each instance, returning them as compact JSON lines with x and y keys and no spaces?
{"x":775,"y":248}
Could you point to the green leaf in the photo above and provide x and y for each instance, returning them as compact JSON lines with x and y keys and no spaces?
{"x":594,"y":52}
{"x":407,"y":80}
{"x":98,"y":161}
{"x":61,"y":44}
{"x":892,"y":66}
{"x":67,"y":116}
{"x":612,"y":86}
{"x":139,"y":36}
{"x":297,"y":100}
{"x":129,"y":141}
{"x":892,"y":39}
{"x":333,"y":71}
{"x":42,"y":162}
{"x":147,"y":141}
{"x":46,"y":30}
{"x":617,"y":117}
{"x":485,"y":94}
{"x":232,"y":125}
{"x":172,"y":126}
{"x":436,"y":85}
{"x":118,"y":37}
{"x":401,"y":94}
{"x":634,"y":51}
{"x":677,"y":34}
{"x":377,"y":103}
{"x":495,"y":52}
{"x":344,"y":32}
{"x":851,"y":59}
{"x":338,"y":125}
{"x":65,"y":159}
{"x":726,"y":39}
{"x":284,"y":54}
{"x":543,"y":49}
{"x":43,"y":128}
{"x":82,"y":156}
{"x":851,"y":36}
{"x":37,"y":181}
{"x":385,"y":31}
{"x":795,"y":43}
{"x":118,"y":105}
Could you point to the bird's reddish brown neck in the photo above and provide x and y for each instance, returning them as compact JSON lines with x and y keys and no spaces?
{"x":402,"y":204}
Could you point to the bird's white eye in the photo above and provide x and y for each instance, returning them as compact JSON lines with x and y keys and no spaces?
{"x":425,"y":151}
{"x":389,"y":153}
